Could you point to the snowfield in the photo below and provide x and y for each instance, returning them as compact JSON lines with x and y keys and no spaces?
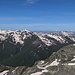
{"x":4,"y":72}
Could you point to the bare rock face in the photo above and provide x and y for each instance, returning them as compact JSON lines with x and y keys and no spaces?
{"x":61,"y":62}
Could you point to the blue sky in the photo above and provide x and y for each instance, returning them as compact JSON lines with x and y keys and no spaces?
{"x":37,"y":15}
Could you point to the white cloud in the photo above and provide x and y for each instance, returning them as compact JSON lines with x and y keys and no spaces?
{"x":22,"y":18}
{"x":39,"y":26}
{"x":68,"y":13}
{"x":16,"y":18}
{"x":32,"y":1}
{"x":42,"y":24}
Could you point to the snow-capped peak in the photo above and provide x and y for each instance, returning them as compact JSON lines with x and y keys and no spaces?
{"x":26,"y":30}
{"x":65,"y":33}
{"x":16,"y":36}
{"x":47,"y":38}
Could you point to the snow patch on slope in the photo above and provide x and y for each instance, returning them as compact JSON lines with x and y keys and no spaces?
{"x":69,"y":64}
{"x":73,"y":44}
{"x":69,"y":35}
{"x":43,"y":39}
{"x":73,"y":39}
{"x":54,"y":63}
{"x":56,"y":37}
{"x":2,"y":38}
{"x":39,"y":73}
{"x":4,"y":72}
{"x":65,"y":33}
{"x":47,"y":38}
{"x":17,"y":38}
{"x":46,"y":65}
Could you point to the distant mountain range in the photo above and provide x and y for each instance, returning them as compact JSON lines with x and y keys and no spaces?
{"x":23,"y":48}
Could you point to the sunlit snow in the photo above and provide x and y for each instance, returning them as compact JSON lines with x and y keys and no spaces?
{"x":39,"y":73}
{"x":46,"y":65}
{"x":4,"y":72}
